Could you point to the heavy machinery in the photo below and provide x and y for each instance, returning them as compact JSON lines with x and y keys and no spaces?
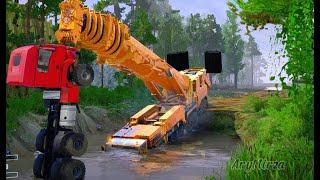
{"x":180,"y":90}
{"x":52,"y":68}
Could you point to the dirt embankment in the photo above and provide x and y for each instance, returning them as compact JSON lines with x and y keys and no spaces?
{"x":91,"y":120}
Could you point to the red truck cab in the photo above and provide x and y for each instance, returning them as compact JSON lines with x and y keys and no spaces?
{"x":40,"y":66}
{"x":45,"y":67}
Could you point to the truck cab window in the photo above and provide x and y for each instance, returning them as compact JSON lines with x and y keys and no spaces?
{"x":44,"y":58}
{"x":16,"y":60}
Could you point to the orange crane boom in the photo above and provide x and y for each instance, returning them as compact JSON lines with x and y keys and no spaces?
{"x":111,"y":41}
{"x":179,"y":92}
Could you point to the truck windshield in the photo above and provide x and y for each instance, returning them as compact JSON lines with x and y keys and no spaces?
{"x":43,"y":61}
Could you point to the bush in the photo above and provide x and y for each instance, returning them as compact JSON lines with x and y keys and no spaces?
{"x":18,"y":107}
{"x":280,"y":135}
{"x":275,"y":102}
{"x":255,"y":104}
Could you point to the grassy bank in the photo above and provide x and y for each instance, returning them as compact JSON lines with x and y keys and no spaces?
{"x":224,"y":123}
{"x":19,"y":106}
{"x":122,"y":100}
{"x":278,"y":139}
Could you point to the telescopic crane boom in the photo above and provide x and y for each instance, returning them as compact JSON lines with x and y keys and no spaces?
{"x":179,"y":92}
{"x":111,"y":41}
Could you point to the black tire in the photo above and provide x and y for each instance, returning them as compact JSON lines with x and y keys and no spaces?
{"x":72,"y":169}
{"x":55,"y":169}
{"x":83,"y":74}
{"x":37,"y":166}
{"x":76,"y":144}
{"x":40,"y":140}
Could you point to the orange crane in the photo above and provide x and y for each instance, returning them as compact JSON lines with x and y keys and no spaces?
{"x":179,"y":93}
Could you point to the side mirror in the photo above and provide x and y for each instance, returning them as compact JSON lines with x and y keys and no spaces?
{"x":213,"y":61}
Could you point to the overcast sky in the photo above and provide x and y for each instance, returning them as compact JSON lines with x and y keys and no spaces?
{"x":219,"y":8}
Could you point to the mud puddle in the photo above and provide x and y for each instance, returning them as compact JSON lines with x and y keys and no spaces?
{"x":192,"y":157}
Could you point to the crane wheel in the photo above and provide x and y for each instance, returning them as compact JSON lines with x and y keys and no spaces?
{"x":40,"y":140}
{"x":83,"y":74}
{"x":68,"y":169}
{"x":37,"y":166}
{"x":74,"y":144}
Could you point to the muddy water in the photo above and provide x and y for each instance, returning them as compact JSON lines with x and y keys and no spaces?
{"x":193,"y":157}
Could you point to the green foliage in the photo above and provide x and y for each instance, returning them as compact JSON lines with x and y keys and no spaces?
{"x":86,"y":56}
{"x":172,"y":35}
{"x":286,"y":133}
{"x":17,"y":107}
{"x":234,"y":46}
{"x":102,"y":4}
{"x":123,"y":99}
{"x":296,"y":20}
{"x":224,"y":123}
{"x":107,"y":98}
{"x":255,"y":104}
{"x":275,"y":102}
{"x":141,"y":28}
{"x":209,"y":178}
{"x":279,"y":135}
{"x":204,"y":34}
{"x":296,"y":155}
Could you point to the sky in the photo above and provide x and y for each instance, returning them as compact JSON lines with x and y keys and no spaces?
{"x":219,"y":8}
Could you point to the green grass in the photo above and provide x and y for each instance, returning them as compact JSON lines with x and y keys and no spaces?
{"x":279,"y":134}
{"x":121,"y":100}
{"x":18,"y":107}
{"x":224,"y":123}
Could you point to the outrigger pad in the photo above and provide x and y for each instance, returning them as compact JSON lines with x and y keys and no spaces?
{"x":179,"y":60}
{"x":213,"y":61}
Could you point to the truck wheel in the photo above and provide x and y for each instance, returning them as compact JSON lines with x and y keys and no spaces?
{"x":76,"y":144}
{"x":83,"y":74}
{"x":55,"y":169}
{"x":40,"y":140}
{"x":37,"y":166}
{"x":72,"y":169}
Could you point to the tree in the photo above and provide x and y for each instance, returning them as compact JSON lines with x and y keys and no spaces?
{"x":172,"y":36}
{"x":234,"y":46}
{"x":254,"y":65}
{"x":194,"y":30}
{"x":253,"y":51}
{"x":204,"y":34}
{"x":117,"y":11}
{"x":295,"y":18}
{"x":141,"y":29}
{"x":213,"y":34}
{"x":101,"y":5}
